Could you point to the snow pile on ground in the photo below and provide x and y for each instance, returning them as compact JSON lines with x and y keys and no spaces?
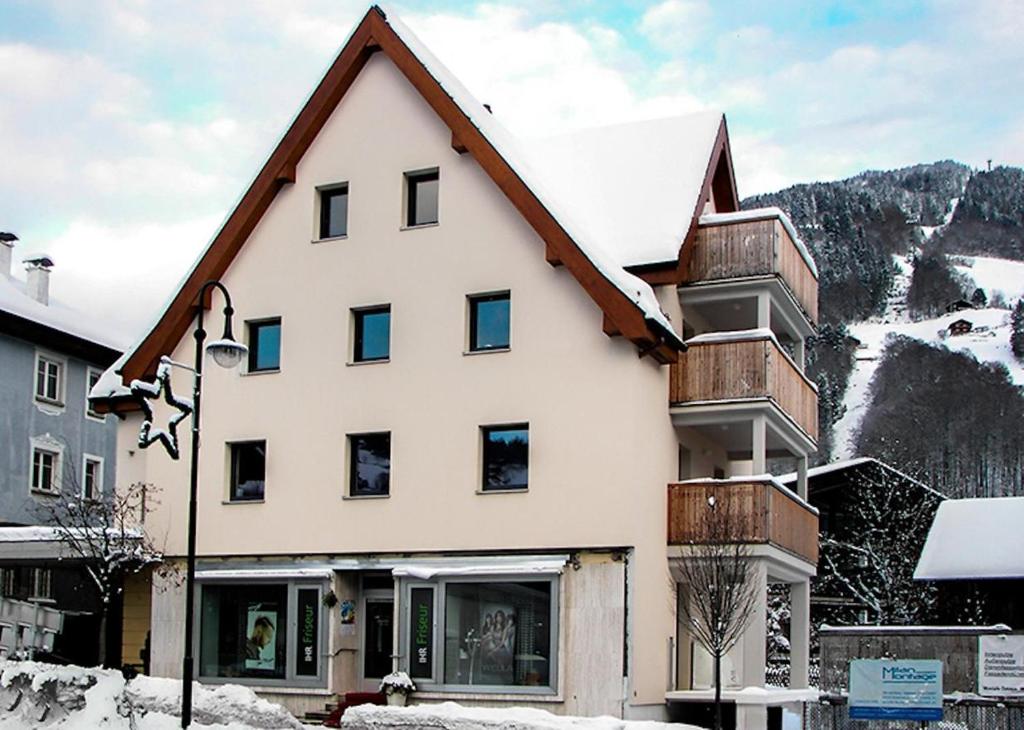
{"x":37,"y":695}
{"x":452,"y":716}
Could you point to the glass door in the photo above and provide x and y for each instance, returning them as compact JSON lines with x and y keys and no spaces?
{"x":378,"y":639}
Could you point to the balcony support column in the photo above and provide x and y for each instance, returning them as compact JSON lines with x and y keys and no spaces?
{"x":753,"y":645}
{"x":801,"y":477}
{"x":764,"y":310}
{"x":799,"y":633}
{"x":759,"y":445}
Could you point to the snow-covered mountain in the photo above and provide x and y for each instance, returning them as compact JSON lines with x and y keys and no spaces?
{"x":895,"y":249}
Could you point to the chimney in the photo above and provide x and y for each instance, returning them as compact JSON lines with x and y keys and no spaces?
{"x":6,"y":248}
{"x":38,"y":267}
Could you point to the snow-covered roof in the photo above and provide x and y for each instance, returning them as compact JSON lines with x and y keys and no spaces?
{"x":555,"y":190}
{"x":636,"y":185}
{"x":57,"y":316}
{"x":975,"y":538}
{"x":756,"y":214}
{"x":844,"y":464}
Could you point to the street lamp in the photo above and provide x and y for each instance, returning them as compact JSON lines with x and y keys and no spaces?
{"x":227,"y":353}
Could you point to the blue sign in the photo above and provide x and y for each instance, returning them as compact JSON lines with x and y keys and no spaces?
{"x":895,"y":689}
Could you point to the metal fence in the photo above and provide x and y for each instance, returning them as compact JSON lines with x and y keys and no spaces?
{"x":832,"y":714}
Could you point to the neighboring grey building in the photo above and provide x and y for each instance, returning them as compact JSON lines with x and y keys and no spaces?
{"x":50,"y":439}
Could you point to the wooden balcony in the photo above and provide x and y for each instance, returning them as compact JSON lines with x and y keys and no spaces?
{"x":738,"y":369}
{"x":762,"y":512}
{"x":753,"y":246}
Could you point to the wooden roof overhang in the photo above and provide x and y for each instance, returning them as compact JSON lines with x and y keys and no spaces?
{"x":374,"y":35}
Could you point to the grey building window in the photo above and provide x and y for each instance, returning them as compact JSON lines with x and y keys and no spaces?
{"x":49,"y":380}
{"x":92,"y":477}
{"x":45,"y":470}
{"x":92,"y":376}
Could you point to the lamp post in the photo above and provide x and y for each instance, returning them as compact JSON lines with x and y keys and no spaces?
{"x":227,"y":353}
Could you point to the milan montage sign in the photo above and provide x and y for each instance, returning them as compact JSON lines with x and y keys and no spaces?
{"x":1001,"y":665}
{"x":894,"y":689}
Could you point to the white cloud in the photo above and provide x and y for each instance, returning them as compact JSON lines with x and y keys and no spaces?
{"x":674,"y":25}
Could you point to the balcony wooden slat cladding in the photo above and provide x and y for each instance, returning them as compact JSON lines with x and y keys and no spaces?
{"x":753,"y":368}
{"x":762,"y":512}
{"x":754,"y":248}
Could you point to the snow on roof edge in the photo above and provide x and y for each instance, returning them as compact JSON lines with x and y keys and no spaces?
{"x":634,"y":288}
{"x":978,"y":538}
{"x":717,"y":219}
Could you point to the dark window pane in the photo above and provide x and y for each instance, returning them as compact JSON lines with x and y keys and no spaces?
{"x":373,"y":334}
{"x":92,"y":473}
{"x":264,"y":345}
{"x":334,"y":212}
{"x":506,"y":453}
{"x":248,"y":470}
{"x":243,"y":631}
{"x":379,"y":639}
{"x":422,"y":199}
{"x":370,"y":467}
{"x":489,"y":322}
{"x":498,"y":634}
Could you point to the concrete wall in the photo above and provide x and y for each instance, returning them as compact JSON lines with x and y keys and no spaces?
{"x":22,"y":418}
{"x":602,"y":447}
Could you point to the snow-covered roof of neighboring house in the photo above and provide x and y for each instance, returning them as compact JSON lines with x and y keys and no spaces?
{"x":14,"y":300}
{"x":975,"y":538}
{"x":860,"y":461}
{"x":636,"y":185}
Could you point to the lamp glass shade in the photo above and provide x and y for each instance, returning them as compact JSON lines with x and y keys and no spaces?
{"x":227,"y":352}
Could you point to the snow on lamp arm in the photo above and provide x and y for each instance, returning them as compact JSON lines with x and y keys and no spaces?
{"x":144,"y":392}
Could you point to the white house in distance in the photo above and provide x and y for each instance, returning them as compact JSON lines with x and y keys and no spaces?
{"x":469,"y":411}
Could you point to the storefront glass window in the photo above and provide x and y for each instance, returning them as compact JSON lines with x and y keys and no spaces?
{"x":243,"y":631}
{"x":498,"y":634}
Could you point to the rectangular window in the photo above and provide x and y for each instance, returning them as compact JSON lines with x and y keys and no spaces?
{"x":248,"y":470}
{"x":334,"y":211}
{"x":92,"y":477}
{"x":369,"y":464}
{"x":372,"y":340}
{"x":244,"y":631}
{"x":10,"y":582}
{"x":92,"y":376}
{"x":45,"y":470}
{"x":42,"y":583}
{"x":264,"y":345}
{"x":49,"y":380}
{"x":489,"y":322}
{"x":505,"y":457}
{"x":421,"y":197}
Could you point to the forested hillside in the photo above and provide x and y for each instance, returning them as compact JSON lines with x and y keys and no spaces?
{"x":902,"y":254}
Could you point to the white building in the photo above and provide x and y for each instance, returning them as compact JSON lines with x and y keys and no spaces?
{"x":468,"y":400}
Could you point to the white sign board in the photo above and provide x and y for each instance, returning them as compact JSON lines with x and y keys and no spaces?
{"x":896,"y":689}
{"x":1001,"y":665}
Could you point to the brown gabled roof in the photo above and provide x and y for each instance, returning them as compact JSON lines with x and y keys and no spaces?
{"x":374,"y":34}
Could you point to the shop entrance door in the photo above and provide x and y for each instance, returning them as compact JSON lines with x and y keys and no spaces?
{"x":378,"y":639}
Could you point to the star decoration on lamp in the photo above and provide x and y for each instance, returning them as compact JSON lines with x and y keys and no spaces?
{"x":145,"y":392}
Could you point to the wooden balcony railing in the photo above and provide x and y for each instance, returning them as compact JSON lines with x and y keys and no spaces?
{"x":754,"y":247}
{"x":734,"y":369}
{"x":760,"y":511}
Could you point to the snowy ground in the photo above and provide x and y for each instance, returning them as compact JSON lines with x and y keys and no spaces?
{"x":989,"y":342}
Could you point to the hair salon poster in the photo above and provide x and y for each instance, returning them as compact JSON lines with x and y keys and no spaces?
{"x":261,"y":630}
{"x":497,"y":641}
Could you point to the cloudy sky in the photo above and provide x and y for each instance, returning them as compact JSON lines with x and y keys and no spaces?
{"x":129,"y":128}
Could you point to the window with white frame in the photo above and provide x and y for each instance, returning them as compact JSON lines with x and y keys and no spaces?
{"x":42,"y":583}
{"x":92,"y":477}
{"x":46,"y":469}
{"x":49,"y":379}
{"x":92,"y":376}
{"x":482,"y":635}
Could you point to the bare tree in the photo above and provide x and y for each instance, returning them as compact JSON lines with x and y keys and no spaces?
{"x":106,"y":532}
{"x":719,"y":577}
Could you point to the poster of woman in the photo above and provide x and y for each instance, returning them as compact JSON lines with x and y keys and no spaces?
{"x":260,"y":647}
{"x":497,"y":643}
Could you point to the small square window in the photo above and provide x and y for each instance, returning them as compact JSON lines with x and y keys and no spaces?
{"x":369,"y":464}
{"x":264,"y":345}
{"x":42,"y":583}
{"x":489,"y":322}
{"x":92,"y":377}
{"x":372,"y":340}
{"x":49,"y":380}
{"x":506,"y":457}
{"x":92,"y":477}
{"x":45,"y":470}
{"x":334,"y":212}
{"x":421,"y":197}
{"x":248,"y":471}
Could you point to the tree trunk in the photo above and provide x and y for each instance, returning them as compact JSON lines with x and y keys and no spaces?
{"x":104,"y":613}
{"x":718,"y":692}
